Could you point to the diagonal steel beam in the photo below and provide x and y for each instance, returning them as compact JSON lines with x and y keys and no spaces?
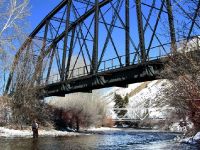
{"x":109,"y":34}
{"x":88,"y":32}
{"x":193,"y":20}
{"x":56,"y":40}
{"x":113,"y":21}
{"x":78,"y":21}
{"x":155,"y":27}
{"x":66,"y":40}
{"x":187,"y":14}
{"x":38,"y":70}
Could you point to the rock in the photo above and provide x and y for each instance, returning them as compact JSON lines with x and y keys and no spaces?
{"x":189,"y":140}
{"x":197,"y":137}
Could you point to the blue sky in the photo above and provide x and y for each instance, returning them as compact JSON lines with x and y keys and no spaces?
{"x":39,"y":9}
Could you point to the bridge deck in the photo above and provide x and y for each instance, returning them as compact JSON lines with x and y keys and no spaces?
{"x":116,"y":77}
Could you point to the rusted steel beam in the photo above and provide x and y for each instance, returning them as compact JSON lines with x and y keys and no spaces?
{"x":171,"y":25}
{"x":140,"y":30}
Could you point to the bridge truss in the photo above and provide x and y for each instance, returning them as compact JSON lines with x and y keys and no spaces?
{"x":137,"y":114}
{"x":87,"y":44}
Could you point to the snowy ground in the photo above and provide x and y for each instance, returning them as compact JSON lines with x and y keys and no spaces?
{"x":107,"y":129}
{"x":192,"y":140}
{"x":11,"y":133}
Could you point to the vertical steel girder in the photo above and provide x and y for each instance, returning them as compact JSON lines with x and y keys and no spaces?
{"x":50,"y":63}
{"x":140,"y":30}
{"x":171,"y":25}
{"x":62,"y":76}
{"x":70,"y":53}
{"x":39,"y":66}
{"x":127,"y":18}
{"x":79,"y":18}
{"x":96,"y":39}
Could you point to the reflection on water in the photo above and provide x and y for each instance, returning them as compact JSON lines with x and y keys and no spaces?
{"x":111,"y":140}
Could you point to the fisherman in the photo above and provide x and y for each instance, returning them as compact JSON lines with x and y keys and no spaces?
{"x":35,"y":127}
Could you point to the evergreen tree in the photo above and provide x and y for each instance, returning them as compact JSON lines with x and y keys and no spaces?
{"x":120,"y":103}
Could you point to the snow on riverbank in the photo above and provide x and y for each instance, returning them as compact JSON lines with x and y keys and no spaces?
{"x":11,"y":133}
{"x":107,"y":129}
{"x":192,"y":140}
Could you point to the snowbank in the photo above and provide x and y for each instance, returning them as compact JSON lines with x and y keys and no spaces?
{"x":11,"y":133}
{"x":104,"y":129}
{"x":192,"y":140}
{"x":127,"y":130}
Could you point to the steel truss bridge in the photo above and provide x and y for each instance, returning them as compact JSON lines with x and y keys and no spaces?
{"x":136,"y":114}
{"x":83,"y":45}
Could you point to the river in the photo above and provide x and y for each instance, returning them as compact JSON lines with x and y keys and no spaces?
{"x":110,"y":140}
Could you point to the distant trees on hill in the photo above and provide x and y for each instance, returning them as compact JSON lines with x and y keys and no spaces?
{"x":120,"y":102}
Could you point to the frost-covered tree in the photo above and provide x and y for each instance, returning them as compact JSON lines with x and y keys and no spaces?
{"x":183,"y":70}
{"x":13,"y":15}
{"x":79,"y":110}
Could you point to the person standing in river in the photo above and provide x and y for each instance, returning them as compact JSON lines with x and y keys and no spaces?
{"x":35,"y":127}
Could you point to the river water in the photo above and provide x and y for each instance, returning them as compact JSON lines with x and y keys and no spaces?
{"x":115,"y":140}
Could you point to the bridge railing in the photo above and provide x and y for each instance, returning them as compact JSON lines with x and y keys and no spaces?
{"x":154,"y":53}
{"x":78,"y":72}
{"x":106,"y":65}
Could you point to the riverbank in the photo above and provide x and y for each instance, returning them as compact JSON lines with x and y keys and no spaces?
{"x":27,"y":133}
{"x":11,"y":133}
{"x":102,"y":130}
{"x":115,"y":140}
{"x":192,"y":140}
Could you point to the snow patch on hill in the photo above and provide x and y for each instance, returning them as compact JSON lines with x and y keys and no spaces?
{"x":143,"y":98}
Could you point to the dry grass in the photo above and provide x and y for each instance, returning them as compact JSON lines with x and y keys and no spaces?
{"x":108,"y":122}
{"x":139,"y":88}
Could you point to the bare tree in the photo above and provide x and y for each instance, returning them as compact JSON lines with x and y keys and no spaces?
{"x":183,"y":70}
{"x":13,"y":14}
{"x":25,"y":102}
{"x":81,"y":109}
{"x":5,"y":111}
